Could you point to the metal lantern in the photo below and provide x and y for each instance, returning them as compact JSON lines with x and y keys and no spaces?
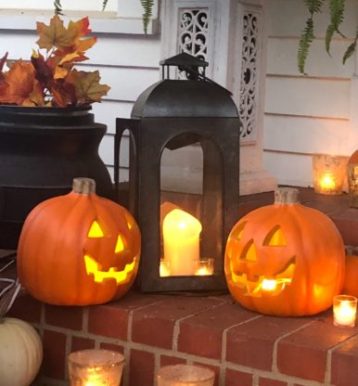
{"x":183,"y":234}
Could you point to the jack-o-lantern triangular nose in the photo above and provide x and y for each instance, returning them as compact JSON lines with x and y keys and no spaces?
{"x":119,"y":245}
{"x":95,"y":230}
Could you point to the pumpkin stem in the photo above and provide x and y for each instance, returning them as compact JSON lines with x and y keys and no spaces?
{"x":286,"y":196}
{"x":83,"y":185}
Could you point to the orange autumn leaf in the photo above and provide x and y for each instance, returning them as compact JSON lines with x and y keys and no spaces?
{"x":65,"y":64}
{"x":22,"y":86}
{"x":88,"y":88}
{"x":50,"y":78}
{"x":55,"y":34}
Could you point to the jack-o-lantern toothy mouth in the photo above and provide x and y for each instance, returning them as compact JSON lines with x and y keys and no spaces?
{"x":257,"y":285}
{"x":93,"y":268}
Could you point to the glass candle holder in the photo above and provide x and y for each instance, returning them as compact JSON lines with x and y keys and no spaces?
{"x":344,"y":310}
{"x":95,"y":368}
{"x":206,"y":267}
{"x":185,"y":375}
{"x":329,"y":173}
{"x":352,"y":170}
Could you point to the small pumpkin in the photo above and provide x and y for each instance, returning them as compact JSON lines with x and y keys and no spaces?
{"x":78,"y":249}
{"x":20,"y":352}
{"x":285,"y":259}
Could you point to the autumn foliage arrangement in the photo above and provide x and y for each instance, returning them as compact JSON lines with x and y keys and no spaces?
{"x":50,"y":77}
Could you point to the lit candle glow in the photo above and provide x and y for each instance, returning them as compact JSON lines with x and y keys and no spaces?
{"x":164,"y":269}
{"x":344,"y":310}
{"x":327,"y":182}
{"x":95,"y":368}
{"x":206,"y":268}
{"x":269,"y":284}
{"x":181,"y":232}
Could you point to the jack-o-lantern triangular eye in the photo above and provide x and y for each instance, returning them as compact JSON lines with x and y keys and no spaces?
{"x":120,"y":246}
{"x":95,"y":231}
{"x":275,"y":238}
{"x":239,"y":230}
{"x":249,"y":252}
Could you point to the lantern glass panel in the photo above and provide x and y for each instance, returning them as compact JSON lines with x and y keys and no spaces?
{"x":190,"y":211}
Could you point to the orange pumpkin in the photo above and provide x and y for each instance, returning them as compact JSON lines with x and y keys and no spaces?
{"x":285,"y":259}
{"x":78,"y":249}
{"x":350,"y":286}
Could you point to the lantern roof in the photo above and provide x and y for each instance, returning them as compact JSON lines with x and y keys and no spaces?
{"x":184,"y":98}
{"x":184,"y":59}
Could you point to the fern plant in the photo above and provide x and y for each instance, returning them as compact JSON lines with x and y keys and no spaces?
{"x":336,"y":18}
{"x":58,"y":7}
{"x":146,"y":4}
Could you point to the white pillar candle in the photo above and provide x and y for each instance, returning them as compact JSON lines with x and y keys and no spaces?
{"x":181,"y":237}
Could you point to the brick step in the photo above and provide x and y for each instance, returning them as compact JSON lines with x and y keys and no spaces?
{"x":244,"y":348}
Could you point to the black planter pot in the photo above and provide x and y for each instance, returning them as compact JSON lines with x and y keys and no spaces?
{"x":41,"y":151}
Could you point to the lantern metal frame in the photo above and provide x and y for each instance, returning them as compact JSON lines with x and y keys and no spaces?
{"x":174,"y":114}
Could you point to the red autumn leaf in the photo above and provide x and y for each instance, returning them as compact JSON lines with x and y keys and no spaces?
{"x":64,"y":94}
{"x":3,"y":84}
{"x":3,"y":61}
{"x":88,"y":88}
{"x":51,"y":79}
{"x":44,"y":72}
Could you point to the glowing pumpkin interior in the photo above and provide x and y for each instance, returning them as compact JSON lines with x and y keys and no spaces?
{"x":250,"y":272}
{"x":96,"y":268}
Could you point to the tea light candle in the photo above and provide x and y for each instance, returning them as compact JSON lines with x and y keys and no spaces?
{"x":95,"y":368}
{"x":181,"y":233}
{"x":344,"y":310}
{"x":206,"y":267}
{"x":164,"y":269}
{"x":327,"y":182}
{"x":329,"y":173}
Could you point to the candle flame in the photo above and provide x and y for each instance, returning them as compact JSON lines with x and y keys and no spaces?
{"x":327,"y":182}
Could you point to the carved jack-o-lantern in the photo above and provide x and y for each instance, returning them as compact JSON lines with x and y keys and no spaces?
{"x":78,"y":249}
{"x":285,"y":259}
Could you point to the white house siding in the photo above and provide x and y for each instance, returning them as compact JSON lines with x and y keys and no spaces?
{"x":308,"y":114}
{"x":304,"y":115}
{"x":128,"y":62}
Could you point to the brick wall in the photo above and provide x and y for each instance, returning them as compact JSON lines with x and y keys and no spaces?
{"x":244,"y":348}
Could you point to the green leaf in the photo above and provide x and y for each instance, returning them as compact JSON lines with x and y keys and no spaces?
{"x":329,"y":35}
{"x":349,"y":51}
{"x":58,"y":7}
{"x":336,"y":10}
{"x":314,"y":6}
{"x":304,"y":44}
{"x":147,"y":8}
